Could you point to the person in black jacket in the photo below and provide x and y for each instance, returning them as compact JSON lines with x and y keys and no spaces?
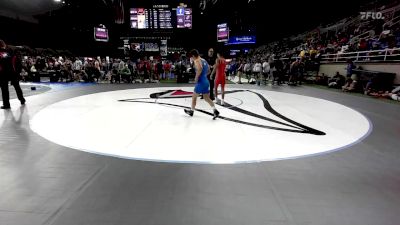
{"x":10,"y":68}
{"x":211,"y":62}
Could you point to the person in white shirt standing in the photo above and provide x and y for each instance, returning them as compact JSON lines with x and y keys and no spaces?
{"x":247,"y":70}
{"x":266,"y":71}
{"x":257,"y":71}
{"x":121,"y":65}
{"x":77,"y":68}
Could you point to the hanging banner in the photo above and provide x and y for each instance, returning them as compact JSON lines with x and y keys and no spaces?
{"x":164,"y":48}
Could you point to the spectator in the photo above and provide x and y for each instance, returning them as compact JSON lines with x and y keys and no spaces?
{"x":115,"y":76}
{"x":233,"y":69}
{"x":104,"y":66}
{"x":278,"y":64}
{"x":294,"y":72}
{"x":67,"y":70}
{"x":257,"y":69}
{"x":167,"y":70}
{"x":24,"y":75}
{"x":301,"y":70}
{"x":146,"y":69}
{"x":395,"y":94}
{"x":121,"y":65}
{"x":126,"y":74}
{"x":240,"y":71}
{"x":77,"y":67}
{"x":336,"y":81}
{"x":351,"y":84}
{"x":321,"y":79}
{"x":349,"y":69}
{"x":266,"y":71}
{"x":247,"y":70}
{"x":160,"y":70}
{"x":313,"y":53}
{"x":33,"y":69}
{"x":97,"y":70}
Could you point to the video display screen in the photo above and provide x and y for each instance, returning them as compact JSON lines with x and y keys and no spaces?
{"x":188,"y":18}
{"x":184,"y":17}
{"x":101,"y":34}
{"x":223,"y":32}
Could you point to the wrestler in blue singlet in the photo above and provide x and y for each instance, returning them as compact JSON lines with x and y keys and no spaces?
{"x":203,"y":85}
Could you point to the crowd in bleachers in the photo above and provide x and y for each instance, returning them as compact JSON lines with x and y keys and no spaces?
{"x":263,"y":70}
{"x":70,"y":69}
{"x":349,"y":35}
{"x":295,"y":59}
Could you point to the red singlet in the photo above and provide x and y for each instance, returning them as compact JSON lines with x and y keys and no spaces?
{"x":220,"y":74}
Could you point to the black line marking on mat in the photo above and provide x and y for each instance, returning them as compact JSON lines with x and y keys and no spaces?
{"x":292,"y":125}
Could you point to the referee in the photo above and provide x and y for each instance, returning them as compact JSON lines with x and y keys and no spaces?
{"x":211,"y":61}
{"x":9,"y":71}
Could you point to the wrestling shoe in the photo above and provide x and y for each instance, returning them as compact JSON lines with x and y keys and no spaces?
{"x":216,"y":114}
{"x":189,"y":112}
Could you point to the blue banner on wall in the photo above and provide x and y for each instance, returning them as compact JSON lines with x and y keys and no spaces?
{"x":237,"y":40}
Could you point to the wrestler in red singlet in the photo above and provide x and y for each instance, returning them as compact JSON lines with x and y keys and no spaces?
{"x":220,"y":74}
{"x":220,"y":78}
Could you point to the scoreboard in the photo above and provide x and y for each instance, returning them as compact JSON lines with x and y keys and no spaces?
{"x":164,"y":19}
{"x":161,"y":18}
